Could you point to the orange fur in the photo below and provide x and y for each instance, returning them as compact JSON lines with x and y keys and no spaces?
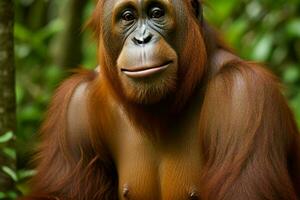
{"x":249,"y":140}
{"x":247,"y":132}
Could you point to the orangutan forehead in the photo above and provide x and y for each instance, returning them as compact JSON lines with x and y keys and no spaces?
{"x":141,"y":1}
{"x":137,"y":3}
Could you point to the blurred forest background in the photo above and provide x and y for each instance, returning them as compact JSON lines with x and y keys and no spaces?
{"x":49,"y":42}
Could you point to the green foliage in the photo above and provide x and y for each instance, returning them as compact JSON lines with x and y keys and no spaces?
{"x":16,"y":175}
{"x":6,"y":137}
{"x":9,"y":154}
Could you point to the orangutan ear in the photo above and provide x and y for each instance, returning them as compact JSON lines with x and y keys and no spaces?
{"x":198,"y":9}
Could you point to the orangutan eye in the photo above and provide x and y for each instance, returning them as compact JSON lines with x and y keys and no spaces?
{"x":156,"y":13}
{"x":128,"y":16}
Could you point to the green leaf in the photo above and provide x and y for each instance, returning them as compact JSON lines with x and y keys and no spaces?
{"x":293,"y":27}
{"x":22,"y":33}
{"x":263,"y":48}
{"x":11,"y":153}
{"x":23,"y":174}
{"x":291,"y":74}
{"x":50,"y":29}
{"x":53,"y":74}
{"x":30,"y":113}
{"x":253,"y":9}
{"x":23,"y":50}
{"x":6,"y":137}
{"x":11,"y":173}
{"x":235,"y":31}
{"x":20,"y":93}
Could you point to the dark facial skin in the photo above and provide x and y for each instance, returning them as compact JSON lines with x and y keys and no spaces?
{"x":141,"y":36}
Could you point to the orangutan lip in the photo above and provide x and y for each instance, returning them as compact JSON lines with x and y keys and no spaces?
{"x":140,"y":72}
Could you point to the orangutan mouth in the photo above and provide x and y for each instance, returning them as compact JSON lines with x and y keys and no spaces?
{"x":145,"y":71}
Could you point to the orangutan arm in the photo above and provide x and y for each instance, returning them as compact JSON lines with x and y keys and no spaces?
{"x":67,"y":162}
{"x":248,"y":135}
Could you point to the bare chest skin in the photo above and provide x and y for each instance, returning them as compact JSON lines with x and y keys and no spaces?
{"x":149,"y":169}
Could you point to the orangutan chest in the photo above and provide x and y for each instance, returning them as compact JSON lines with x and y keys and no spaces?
{"x":149,"y":172}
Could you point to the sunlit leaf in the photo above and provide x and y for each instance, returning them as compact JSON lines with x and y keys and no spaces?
{"x":263,"y":48}
{"x":11,"y":173}
{"x":253,"y":9}
{"x":23,"y":174}
{"x":6,"y":137}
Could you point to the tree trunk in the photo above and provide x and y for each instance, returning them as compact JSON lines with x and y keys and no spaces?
{"x":7,"y":95}
{"x":69,"y":44}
